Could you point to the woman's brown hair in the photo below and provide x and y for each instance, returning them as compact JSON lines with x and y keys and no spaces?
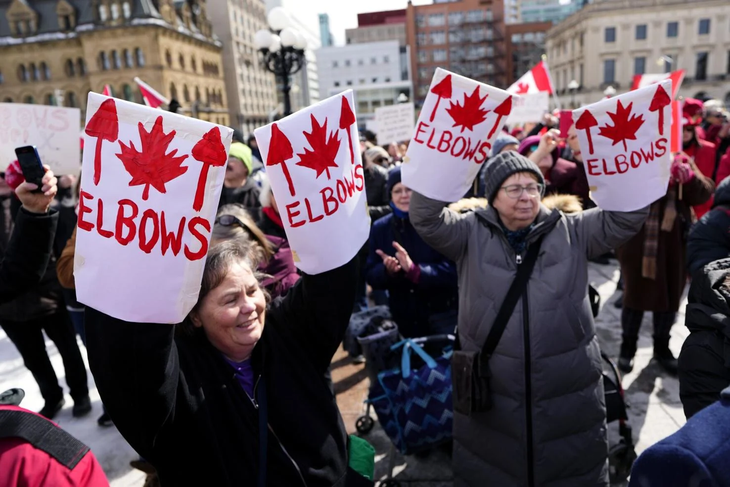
{"x":249,"y":230}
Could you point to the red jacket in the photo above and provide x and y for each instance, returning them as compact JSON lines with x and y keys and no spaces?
{"x":704,"y":155}
{"x":22,"y":464}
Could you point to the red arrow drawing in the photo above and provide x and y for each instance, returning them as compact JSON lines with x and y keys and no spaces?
{"x":503,"y":110}
{"x":585,"y":122}
{"x":441,"y":90}
{"x":211,"y":152}
{"x":280,"y":150}
{"x":347,"y":119}
{"x":104,"y":125}
{"x":661,"y":99}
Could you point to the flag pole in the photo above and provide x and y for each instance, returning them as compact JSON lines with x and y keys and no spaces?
{"x":552,"y":85}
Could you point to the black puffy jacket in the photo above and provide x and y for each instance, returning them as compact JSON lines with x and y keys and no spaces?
{"x":709,"y":238}
{"x":704,"y":364}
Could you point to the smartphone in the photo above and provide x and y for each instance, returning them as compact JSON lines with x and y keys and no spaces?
{"x":31,"y":165}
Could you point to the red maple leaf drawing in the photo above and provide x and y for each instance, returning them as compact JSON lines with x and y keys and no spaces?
{"x":321,"y":157}
{"x":522,"y":88}
{"x":471,"y":113}
{"x":151,"y":166}
{"x":625,"y":125}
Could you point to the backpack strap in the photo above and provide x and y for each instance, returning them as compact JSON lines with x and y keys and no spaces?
{"x":43,"y":435}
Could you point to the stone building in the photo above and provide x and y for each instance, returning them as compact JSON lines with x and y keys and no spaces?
{"x":251,"y":89}
{"x":607,"y":43}
{"x":70,"y":47}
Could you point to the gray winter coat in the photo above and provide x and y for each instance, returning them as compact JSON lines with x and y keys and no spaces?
{"x":547,"y":427}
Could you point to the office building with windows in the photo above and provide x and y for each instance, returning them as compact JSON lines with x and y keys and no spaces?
{"x":528,"y":11}
{"x":378,"y":73}
{"x":65,"y":48}
{"x":325,"y":34}
{"x":607,"y":43}
{"x":378,"y":26}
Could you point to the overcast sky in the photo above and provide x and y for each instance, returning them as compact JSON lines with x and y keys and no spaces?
{"x":343,"y":13}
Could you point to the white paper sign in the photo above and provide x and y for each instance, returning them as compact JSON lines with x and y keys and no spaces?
{"x":314,"y":164}
{"x":453,"y":137}
{"x":529,"y":108}
{"x":53,"y":130}
{"x":395,"y":123}
{"x":150,"y":188}
{"x":625,"y":145}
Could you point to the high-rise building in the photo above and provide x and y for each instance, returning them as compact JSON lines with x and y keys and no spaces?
{"x":378,"y":26}
{"x":525,"y":46}
{"x":76,"y":46}
{"x":466,"y":37}
{"x":527,"y":11}
{"x":324,"y":30}
{"x":375,"y":71}
{"x":251,"y":89}
{"x":607,"y":43}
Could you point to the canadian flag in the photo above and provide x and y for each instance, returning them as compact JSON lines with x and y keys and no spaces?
{"x":534,"y":81}
{"x":107,"y":90}
{"x":151,"y":97}
{"x":642,"y":80}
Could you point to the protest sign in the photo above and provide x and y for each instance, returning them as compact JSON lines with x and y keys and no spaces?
{"x":625,"y":143}
{"x":150,"y":188}
{"x":454,"y":134}
{"x":53,"y":130}
{"x":395,"y":123}
{"x":529,"y":108}
{"x":314,"y":164}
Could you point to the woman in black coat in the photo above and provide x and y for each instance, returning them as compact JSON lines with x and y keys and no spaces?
{"x":192,"y":398}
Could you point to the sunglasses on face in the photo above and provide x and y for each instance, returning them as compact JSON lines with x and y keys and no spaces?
{"x":229,"y":221}
{"x":380,"y":160}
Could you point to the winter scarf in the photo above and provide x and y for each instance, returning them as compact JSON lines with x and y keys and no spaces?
{"x":651,"y":231}
{"x":516,"y":239}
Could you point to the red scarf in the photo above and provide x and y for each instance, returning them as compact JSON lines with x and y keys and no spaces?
{"x":273,"y":216}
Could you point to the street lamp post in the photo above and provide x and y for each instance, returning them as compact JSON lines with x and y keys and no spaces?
{"x":282,"y":50}
{"x":572,"y":86}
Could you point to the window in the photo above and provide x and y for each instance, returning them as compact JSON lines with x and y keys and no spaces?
{"x":127,"y":92}
{"x":438,"y":37}
{"x":140,"y":57}
{"x":639,"y":65}
{"x":347,"y":63}
{"x":360,"y":62}
{"x":28,"y":100}
{"x":50,"y":100}
{"x":81,"y":65}
{"x":421,"y":39}
{"x":387,"y":80}
{"x":375,"y":80}
{"x":2,"y":78}
{"x":34,"y":72}
{"x":436,"y":20}
{"x":456,"y":18}
{"x":439,"y":55}
{"x":672,"y":29}
{"x":386,"y":59}
{"x":168,"y":59}
{"x":173,"y":92}
{"x":115,"y":11}
{"x":103,"y":61}
{"x":334,"y":64}
{"x":186,"y":93}
{"x":116,"y":60}
{"x":641,"y":32}
{"x":701,"y":66}
{"x":349,"y":83}
{"x":423,"y":56}
{"x":670,"y":60}
{"x":45,"y":71}
{"x":704,"y":27}
{"x":609,"y":70}
{"x":70,"y":100}
{"x":361,"y":81}
{"x":128,"y":61}
{"x":337,"y":83}
{"x":102,"y":13}
{"x":421,"y":20}
{"x":193,"y":65}
{"x":70,"y":70}
{"x":610,"y":34}
{"x":127,"y":9}
{"x":373,"y":60}
{"x":181,"y":61}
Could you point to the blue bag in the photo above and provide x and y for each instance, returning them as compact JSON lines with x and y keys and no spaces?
{"x":414,"y":404}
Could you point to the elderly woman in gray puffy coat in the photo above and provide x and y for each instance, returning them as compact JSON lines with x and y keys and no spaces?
{"x":547,"y":423}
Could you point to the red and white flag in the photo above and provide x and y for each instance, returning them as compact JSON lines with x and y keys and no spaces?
{"x":534,"y":81}
{"x":107,"y":91}
{"x":151,"y":97}
{"x":643,"y":80}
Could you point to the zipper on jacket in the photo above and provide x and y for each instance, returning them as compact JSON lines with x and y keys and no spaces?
{"x":528,"y":387}
{"x":301,"y":477}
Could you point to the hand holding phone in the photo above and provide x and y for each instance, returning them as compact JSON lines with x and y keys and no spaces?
{"x":38,"y":198}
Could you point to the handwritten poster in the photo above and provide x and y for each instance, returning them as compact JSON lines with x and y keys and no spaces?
{"x":150,"y":188}
{"x":395,"y":123}
{"x":453,"y":136}
{"x":314,"y":164}
{"x":626,"y":149}
{"x":529,"y":108}
{"x":53,"y":130}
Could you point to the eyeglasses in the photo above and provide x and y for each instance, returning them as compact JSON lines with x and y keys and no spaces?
{"x":515,"y":191}
{"x":380,"y":160}
{"x":229,"y":220}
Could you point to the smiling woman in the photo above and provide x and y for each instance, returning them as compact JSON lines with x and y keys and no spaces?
{"x":201,"y":400}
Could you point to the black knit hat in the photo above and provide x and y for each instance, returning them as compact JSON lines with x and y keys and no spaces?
{"x":504,"y":165}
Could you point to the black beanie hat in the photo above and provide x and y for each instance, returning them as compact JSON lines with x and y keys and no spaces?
{"x":394,"y":178}
{"x":504,"y":165}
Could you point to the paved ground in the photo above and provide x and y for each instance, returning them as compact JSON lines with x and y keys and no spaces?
{"x":654,"y":399}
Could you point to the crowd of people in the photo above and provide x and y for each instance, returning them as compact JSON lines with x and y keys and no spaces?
{"x":239,"y":393}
